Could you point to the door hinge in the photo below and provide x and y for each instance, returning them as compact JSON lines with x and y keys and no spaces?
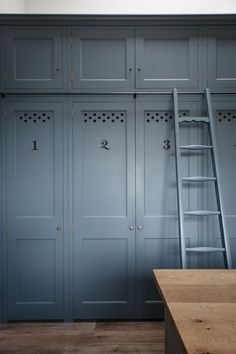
{"x":71,"y":40}
{"x":71,"y":76}
{"x":72,"y":113}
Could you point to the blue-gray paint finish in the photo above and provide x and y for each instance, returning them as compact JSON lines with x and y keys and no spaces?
{"x":116,"y":58}
{"x":155,"y":50}
{"x":221,"y":57}
{"x":225,"y":122}
{"x":104,"y":209}
{"x":34,"y":209}
{"x":156,"y":198}
{"x":102,"y":59}
{"x":34,"y":58}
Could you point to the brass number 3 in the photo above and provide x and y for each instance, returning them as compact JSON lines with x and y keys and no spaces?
{"x":104,"y":144}
{"x":167,"y":145}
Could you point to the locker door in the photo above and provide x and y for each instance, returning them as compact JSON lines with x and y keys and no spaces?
{"x":156,"y":195}
{"x":104,"y":209}
{"x":102,"y":59}
{"x":33,"y":59}
{"x":221,"y":58}
{"x":34,"y":209}
{"x":225,"y":120}
{"x":155,"y":51}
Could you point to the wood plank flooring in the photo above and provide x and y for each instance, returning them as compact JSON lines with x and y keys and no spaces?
{"x":82,"y":337}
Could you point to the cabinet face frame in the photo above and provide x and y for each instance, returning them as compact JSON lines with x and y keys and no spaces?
{"x":163,"y":35}
{"x":81,"y":37}
{"x":53,"y":79}
{"x":214,"y":56}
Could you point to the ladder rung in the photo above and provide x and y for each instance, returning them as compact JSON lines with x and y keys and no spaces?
{"x":205,"y":249}
{"x":196,"y":147}
{"x":202,"y":212}
{"x":198,"y":179}
{"x":194,"y":119}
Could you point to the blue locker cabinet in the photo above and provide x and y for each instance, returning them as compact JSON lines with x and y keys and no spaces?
{"x":88,"y":186}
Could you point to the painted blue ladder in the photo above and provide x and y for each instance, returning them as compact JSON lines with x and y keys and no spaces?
{"x":209,"y":120}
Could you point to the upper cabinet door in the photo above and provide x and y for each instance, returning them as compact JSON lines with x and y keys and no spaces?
{"x":102,"y":59}
{"x":34,"y":58}
{"x":166,"y":58}
{"x":222,"y":58}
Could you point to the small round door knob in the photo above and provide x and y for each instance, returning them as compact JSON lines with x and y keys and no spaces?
{"x":59,"y":228}
{"x":131,"y":228}
{"x":139,"y":228}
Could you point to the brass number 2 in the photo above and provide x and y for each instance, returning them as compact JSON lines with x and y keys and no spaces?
{"x":167,"y":145}
{"x":104,"y":144}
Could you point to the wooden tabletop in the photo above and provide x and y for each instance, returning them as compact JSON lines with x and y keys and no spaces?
{"x":202,"y":305}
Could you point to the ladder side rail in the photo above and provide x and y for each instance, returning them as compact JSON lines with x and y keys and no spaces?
{"x":214,"y":155}
{"x":183,"y":261}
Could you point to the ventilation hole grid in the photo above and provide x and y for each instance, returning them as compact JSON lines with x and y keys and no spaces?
{"x":34,"y":117}
{"x":162,"y":116}
{"x":104,"y":117}
{"x":226,"y":116}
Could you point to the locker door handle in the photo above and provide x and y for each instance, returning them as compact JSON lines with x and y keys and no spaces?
{"x":140,"y":228}
{"x":131,"y":228}
{"x":59,"y":228}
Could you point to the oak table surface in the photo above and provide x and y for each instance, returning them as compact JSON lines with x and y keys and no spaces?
{"x":202,"y":305}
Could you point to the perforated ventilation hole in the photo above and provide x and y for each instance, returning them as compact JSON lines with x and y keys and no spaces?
{"x":34,"y":117}
{"x":161,"y":116}
{"x":226,"y":116}
{"x":103,"y":117}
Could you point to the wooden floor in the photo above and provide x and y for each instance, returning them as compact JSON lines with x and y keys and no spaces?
{"x":82,"y":337}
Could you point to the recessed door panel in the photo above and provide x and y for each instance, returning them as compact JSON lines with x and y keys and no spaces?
{"x":104,"y":195}
{"x":33,"y":58}
{"x":166,"y":58}
{"x":34,"y":209}
{"x":221,"y":58}
{"x":102,"y":59}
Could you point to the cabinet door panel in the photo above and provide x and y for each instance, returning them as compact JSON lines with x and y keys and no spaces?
{"x":225,"y":120}
{"x":166,"y":58}
{"x":34,"y":58}
{"x":34,"y":210}
{"x":156,"y":195}
{"x":222,"y":58}
{"x":104,"y":246}
{"x":102,"y":59}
